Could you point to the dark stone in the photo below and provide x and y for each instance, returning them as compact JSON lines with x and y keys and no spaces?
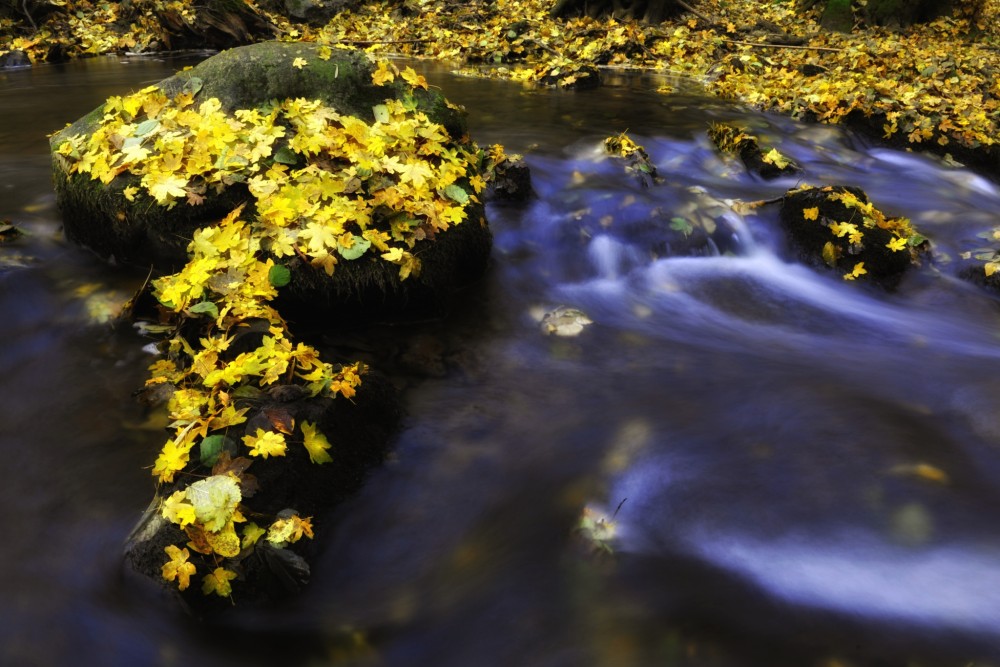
{"x":818,"y":245}
{"x":14,"y":60}
{"x":511,"y":182}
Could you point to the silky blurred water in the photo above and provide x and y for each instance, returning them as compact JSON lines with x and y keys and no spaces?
{"x":765,"y":431}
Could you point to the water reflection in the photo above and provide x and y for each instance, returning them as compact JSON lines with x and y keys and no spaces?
{"x":798,"y":463}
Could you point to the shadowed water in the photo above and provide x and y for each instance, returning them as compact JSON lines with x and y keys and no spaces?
{"x":805,"y":471}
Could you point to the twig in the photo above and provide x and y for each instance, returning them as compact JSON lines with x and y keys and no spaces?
{"x":694,"y":11}
{"x":542,"y":45}
{"x":786,"y":46}
{"x":24,"y":8}
{"x":382,"y":41}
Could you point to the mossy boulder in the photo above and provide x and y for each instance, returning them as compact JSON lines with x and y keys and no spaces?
{"x":839,"y":228}
{"x":122,"y":221}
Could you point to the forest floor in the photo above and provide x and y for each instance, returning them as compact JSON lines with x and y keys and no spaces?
{"x":932,"y":87}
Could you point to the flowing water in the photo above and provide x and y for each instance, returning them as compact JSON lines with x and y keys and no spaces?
{"x":805,"y":471}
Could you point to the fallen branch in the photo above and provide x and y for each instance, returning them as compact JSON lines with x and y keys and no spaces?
{"x":694,"y":11}
{"x":786,"y":46}
{"x":368,"y":42}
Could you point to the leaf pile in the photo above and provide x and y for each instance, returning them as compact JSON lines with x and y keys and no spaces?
{"x":224,"y":293}
{"x":943,"y":91}
{"x":326,"y":186}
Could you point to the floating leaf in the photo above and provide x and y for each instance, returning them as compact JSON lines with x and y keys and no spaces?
{"x":8,"y":232}
{"x":565,"y":321}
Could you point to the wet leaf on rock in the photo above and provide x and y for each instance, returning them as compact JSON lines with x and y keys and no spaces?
{"x":565,"y":321}
{"x":279,"y":275}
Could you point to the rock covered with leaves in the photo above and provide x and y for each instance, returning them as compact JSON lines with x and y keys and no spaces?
{"x":235,"y":526}
{"x":273,"y":175}
{"x":757,"y":157}
{"x":356,"y":177}
{"x":264,"y":433}
{"x":634,"y":157}
{"x":837,"y":227}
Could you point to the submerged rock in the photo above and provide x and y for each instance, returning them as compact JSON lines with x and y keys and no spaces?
{"x":837,"y":227}
{"x":634,"y":157}
{"x":758,"y":158}
{"x":293,"y":131}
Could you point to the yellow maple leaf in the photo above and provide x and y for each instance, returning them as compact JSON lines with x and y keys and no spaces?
{"x":858,"y":270}
{"x":324,"y":52}
{"x":416,"y":172}
{"x":316,"y":443}
{"x":165,"y":187}
{"x":896,"y":244}
{"x":172,"y":459}
{"x":177,"y":510}
{"x":218,"y":582}
{"x":251,"y":533}
{"x":842,"y":229}
{"x":299,"y":63}
{"x":411,"y":77}
{"x":265,"y":443}
{"x":288,"y":530}
{"x":811,"y":213}
{"x":385,"y":72}
{"x":178,"y":566}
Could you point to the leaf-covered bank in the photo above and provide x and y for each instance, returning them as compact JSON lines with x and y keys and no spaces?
{"x":931,"y":86}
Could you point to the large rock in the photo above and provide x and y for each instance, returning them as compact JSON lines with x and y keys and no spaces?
{"x":837,"y":227}
{"x":132,"y":228}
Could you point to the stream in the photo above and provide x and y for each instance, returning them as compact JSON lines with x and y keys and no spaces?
{"x":801,"y":470}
